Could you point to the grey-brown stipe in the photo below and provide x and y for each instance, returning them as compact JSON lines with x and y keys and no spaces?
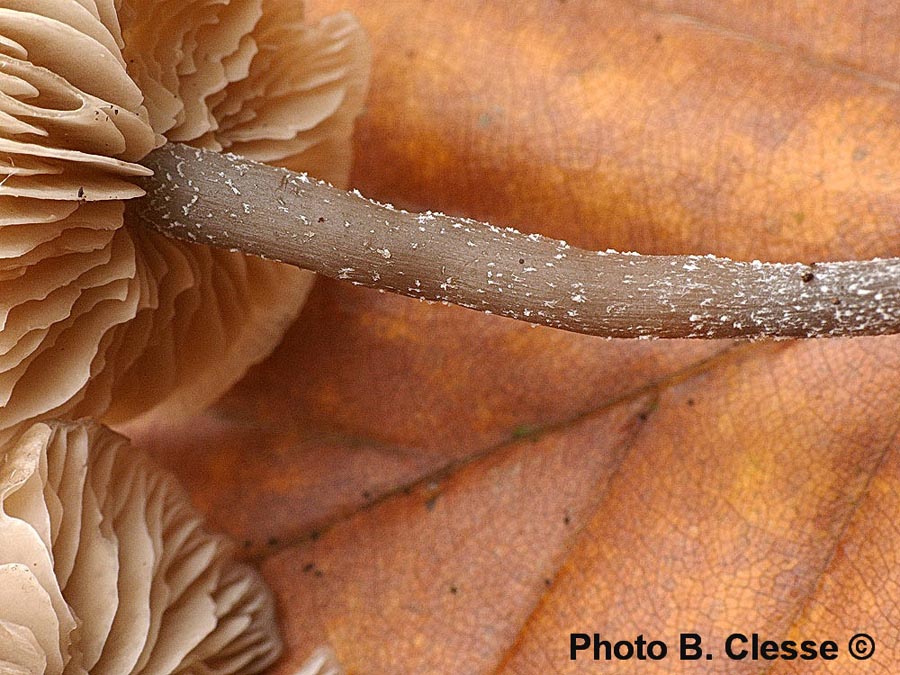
{"x":230,"y":202}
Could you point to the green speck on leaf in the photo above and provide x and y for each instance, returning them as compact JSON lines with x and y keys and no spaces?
{"x":524,"y":431}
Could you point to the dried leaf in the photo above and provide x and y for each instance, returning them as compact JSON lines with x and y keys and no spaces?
{"x":432,"y":490}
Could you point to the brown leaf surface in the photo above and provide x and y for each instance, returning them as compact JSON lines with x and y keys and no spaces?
{"x":433,"y":490}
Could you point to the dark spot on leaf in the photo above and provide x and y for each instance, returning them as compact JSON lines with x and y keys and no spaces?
{"x":548,"y":583}
{"x":567,"y":519}
{"x":432,"y":492}
{"x":454,"y":590}
{"x":273,"y":541}
{"x":691,"y":402}
{"x":81,"y":193}
{"x":314,"y":535}
{"x":860,"y":153}
{"x":521,"y":261}
{"x":319,"y":573}
{"x":308,"y":567}
{"x":321,"y":219}
{"x":367,"y":495}
{"x":658,"y":37}
{"x":807,"y":277}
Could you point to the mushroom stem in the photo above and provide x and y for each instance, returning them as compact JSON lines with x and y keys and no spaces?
{"x":231,"y":202}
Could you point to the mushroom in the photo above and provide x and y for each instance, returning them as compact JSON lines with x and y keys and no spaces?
{"x":432,"y":256}
{"x":102,"y":318}
{"x":323,"y":661}
{"x":106,"y":568}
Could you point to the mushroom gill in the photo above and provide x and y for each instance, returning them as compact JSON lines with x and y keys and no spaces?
{"x":106,"y":568}
{"x":101,"y":318}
